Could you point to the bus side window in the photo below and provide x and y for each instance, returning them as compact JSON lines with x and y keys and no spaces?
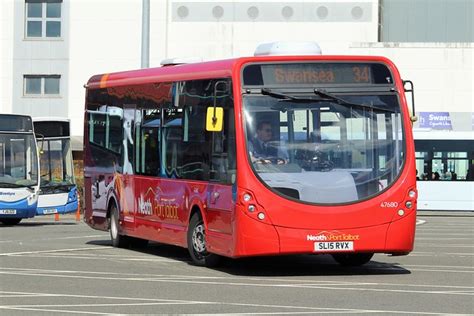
{"x":196,"y":142}
{"x":97,"y":125}
{"x":147,"y":140}
{"x":105,"y":128}
{"x":223,"y":167}
{"x":194,"y":97}
{"x":173,"y":138}
{"x":115,"y":134}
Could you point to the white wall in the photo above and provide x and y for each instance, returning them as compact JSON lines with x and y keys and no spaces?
{"x":442,"y":73}
{"x":236,"y":34}
{"x":105,"y":36}
{"x":38,"y":56}
{"x":6,"y":56}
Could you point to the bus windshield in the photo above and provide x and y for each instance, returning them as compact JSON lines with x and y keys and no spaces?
{"x":56,"y":163}
{"x":324,"y":148}
{"x":18,"y":160}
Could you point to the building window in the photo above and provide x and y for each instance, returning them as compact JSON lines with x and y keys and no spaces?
{"x":43,"y":18}
{"x":37,"y":85}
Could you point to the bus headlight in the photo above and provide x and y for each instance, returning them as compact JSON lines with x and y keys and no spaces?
{"x":261,"y":216}
{"x":251,"y":208}
{"x":32,"y":199}
{"x":247,"y":197}
{"x":412,"y":193}
{"x":409,"y":204}
{"x":72,"y":196}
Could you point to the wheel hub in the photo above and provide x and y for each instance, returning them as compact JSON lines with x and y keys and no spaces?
{"x":113,"y":227}
{"x":199,"y":242}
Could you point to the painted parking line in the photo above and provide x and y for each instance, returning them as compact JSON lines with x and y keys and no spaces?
{"x":51,"y":239}
{"x":352,"y":287}
{"x":256,"y":279}
{"x":293,"y":309}
{"x":54,"y":250}
{"x":117,"y":258}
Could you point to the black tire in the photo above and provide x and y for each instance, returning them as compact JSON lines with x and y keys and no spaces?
{"x":197,"y":244}
{"x":114,"y":229}
{"x":352,"y":259}
{"x":10,"y":221}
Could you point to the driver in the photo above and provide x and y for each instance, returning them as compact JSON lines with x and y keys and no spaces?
{"x":262,"y":149}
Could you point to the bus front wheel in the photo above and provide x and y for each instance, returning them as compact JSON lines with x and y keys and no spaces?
{"x":352,"y":259}
{"x":197,"y":243}
{"x":10,"y":221}
{"x":117,"y":239}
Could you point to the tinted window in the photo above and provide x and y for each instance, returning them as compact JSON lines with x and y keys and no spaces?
{"x":15,"y":123}
{"x":444,"y":160}
{"x":97,"y":126}
{"x":147,"y":143}
{"x":190,"y":152}
{"x":52,"y":129}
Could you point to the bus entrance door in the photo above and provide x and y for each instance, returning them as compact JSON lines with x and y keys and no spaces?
{"x":127,"y":178}
{"x":219,"y":213}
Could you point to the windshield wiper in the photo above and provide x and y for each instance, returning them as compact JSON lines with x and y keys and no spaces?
{"x":14,"y":185}
{"x":331,"y":97}
{"x":57,"y":185}
{"x":326,"y":96}
{"x":285,"y":97}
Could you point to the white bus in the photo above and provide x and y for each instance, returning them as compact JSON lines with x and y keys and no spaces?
{"x":445,"y":170}
{"x":58,"y":191}
{"x":19,"y":176}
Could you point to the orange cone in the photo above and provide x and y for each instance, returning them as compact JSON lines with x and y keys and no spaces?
{"x":56,"y":217}
{"x":78,"y":212}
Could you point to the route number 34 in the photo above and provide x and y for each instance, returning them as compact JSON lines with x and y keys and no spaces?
{"x":389,"y":204}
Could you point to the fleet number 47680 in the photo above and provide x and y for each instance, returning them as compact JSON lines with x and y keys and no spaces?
{"x":389,"y":204}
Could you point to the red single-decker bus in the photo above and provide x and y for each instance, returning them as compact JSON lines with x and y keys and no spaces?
{"x":254,"y":156}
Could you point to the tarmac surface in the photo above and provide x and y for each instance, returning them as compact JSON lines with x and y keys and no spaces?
{"x":64,"y":267}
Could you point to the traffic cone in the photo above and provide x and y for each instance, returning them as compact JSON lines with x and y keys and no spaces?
{"x":56,"y":217}
{"x":78,"y":212}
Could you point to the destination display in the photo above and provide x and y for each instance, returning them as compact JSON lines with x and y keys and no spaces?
{"x":52,"y":128}
{"x":316,"y":73}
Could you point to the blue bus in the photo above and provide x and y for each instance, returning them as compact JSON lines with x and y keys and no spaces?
{"x":19,"y":176}
{"x":58,"y":190}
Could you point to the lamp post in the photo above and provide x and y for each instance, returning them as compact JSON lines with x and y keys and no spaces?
{"x":145,"y":61}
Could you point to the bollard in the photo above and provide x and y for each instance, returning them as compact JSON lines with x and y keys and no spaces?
{"x":56,"y":217}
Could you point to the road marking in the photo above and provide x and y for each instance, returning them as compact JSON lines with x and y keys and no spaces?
{"x":54,"y":250}
{"x":44,"y":239}
{"x":443,"y":238}
{"x":187,"y":302}
{"x":21,"y":295}
{"x":116,"y":258}
{"x":436,"y":233}
{"x":147,"y":279}
{"x":439,"y":266}
{"x":444,"y":246}
{"x":54,"y":310}
{"x":297,"y":281}
{"x":438,"y":254}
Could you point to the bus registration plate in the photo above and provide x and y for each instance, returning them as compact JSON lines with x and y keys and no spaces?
{"x":325,"y":246}
{"x":8,"y":212}
{"x":50,"y":211}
